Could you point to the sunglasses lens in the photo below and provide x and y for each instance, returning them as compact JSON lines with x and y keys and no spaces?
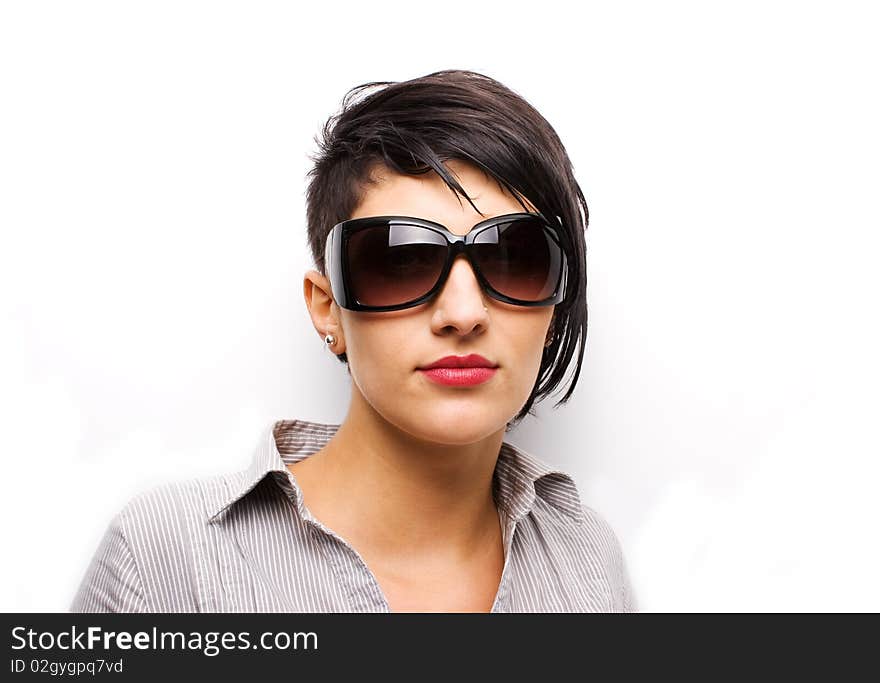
{"x":392,"y":263}
{"x":520,"y":259}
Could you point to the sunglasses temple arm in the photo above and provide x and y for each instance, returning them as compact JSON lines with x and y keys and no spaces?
{"x":331,"y":270}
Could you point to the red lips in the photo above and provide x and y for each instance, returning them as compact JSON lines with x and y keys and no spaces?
{"x":473,"y":360}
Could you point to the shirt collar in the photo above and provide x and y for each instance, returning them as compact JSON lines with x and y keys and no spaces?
{"x":520,"y":478}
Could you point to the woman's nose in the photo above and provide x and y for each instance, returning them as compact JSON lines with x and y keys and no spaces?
{"x":461,"y":299}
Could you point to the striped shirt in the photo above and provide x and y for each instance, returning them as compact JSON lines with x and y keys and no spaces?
{"x":245,"y":542}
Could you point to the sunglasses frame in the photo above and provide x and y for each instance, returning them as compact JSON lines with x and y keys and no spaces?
{"x":337,"y":266}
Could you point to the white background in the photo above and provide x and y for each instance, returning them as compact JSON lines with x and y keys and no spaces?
{"x":152,"y":177}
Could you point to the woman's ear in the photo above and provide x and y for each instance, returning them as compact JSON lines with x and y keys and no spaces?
{"x":322,"y":308}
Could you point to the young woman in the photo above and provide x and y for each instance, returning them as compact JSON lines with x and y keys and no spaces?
{"x":448,"y":234}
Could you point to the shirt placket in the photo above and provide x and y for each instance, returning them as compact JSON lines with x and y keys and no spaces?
{"x":354,"y":576}
{"x":502,"y":597}
{"x":360,"y":585}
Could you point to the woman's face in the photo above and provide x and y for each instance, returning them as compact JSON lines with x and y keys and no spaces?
{"x":386,"y":349}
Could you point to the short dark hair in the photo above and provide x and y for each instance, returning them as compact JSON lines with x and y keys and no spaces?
{"x":412,"y":127}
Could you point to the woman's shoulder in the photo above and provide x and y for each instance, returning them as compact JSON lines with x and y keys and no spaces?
{"x":148,"y":545}
{"x":582,"y":525}
{"x":162,"y":519}
{"x":606,"y":545}
{"x":171,"y":506}
{"x":599,"y":528}
{"x":547,"y":500}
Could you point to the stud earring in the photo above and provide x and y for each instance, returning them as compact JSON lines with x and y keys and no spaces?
{"x":330,"y":340}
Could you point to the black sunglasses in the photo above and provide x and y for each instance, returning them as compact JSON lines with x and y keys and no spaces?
{"x":388,"y":263}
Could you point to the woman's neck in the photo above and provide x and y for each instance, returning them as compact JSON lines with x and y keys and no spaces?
{"x":384,"y":489}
